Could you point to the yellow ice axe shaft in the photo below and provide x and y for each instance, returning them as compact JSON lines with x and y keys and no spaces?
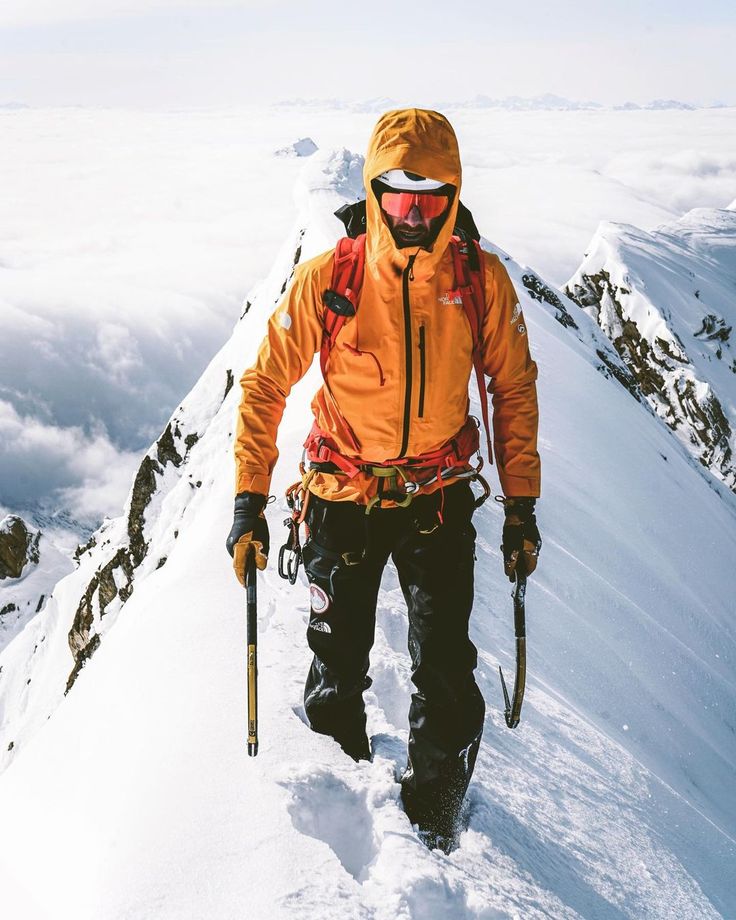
{"x":251,"y":638}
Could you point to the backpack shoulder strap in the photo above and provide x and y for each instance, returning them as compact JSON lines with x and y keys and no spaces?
{"x":467,"y":257}
{"x":342,"y":297}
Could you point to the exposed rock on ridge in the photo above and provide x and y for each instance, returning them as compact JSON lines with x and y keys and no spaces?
{"x":18,"y":546}
{"x":667,"y":301}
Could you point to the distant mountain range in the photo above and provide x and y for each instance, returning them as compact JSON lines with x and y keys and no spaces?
{"x":545,"y":102}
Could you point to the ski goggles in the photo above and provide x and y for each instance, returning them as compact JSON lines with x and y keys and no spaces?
{"x":399,"y":204}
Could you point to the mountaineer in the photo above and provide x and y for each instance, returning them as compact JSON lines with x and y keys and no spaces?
{"x":402,"y":314}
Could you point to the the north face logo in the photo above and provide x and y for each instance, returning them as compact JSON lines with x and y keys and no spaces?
{"x":449,"y":298}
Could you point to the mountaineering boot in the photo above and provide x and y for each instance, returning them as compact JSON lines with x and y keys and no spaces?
{"x":358,"y":747}
{"x":435,"y":806}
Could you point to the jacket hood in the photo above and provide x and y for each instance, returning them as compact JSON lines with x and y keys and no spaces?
{"x":419,"y":141}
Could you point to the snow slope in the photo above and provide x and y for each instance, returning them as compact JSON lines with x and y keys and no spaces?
{"x":667,"y":299}
{"x":615,"y":797}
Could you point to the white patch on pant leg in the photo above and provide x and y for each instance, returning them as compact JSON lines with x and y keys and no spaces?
{"x":319,"y":600}
{"x":285,"y":320}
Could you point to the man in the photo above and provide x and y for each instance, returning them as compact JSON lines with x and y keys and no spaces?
{"x":394,"y":399}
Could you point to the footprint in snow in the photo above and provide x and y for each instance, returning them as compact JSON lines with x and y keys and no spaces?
{"x":392,"y":690}
{"x":392,"y":621}
{"x":324,"y":807}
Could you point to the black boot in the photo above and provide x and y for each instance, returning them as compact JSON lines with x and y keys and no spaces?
{"x":436,"y":806}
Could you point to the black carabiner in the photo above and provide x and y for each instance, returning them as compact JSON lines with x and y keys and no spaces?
{"x":289,"y":569}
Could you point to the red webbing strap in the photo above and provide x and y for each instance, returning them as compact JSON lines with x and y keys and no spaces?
{"x":469,"y":284}
{"x":347,"y":280}
{"x":457,"y":451}
{"x":321,"y":449}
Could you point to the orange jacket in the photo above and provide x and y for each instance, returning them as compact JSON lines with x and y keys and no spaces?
{"x":372,"y":418}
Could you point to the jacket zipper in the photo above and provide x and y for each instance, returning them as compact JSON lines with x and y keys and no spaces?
{"x":408,"y":275}
{"x":422,"y":369}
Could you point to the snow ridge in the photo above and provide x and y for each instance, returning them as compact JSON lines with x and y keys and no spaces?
{"x":613,"y":799}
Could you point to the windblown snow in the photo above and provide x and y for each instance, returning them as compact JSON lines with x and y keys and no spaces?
{"x":133,"y":797}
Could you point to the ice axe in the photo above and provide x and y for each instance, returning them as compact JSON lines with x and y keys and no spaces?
{"x":512,"y":712}
{"x":251,"y":638}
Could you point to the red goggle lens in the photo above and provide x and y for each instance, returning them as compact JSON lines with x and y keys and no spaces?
{"x":398,"y":204}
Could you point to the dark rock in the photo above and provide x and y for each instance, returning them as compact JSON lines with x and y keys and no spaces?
{"x":538,"y":290}
{"x":81,"y":660}
{"x":83,"y":641}
{"x":84,"y":548}
{"x":18,"y":546}
{"x":166,"y":449}
{"x":714,"y":329}
{"x":297,"y":256}
{"x":624,"y":377}
{"x":108,"y":589}
{"x":143,"y":489}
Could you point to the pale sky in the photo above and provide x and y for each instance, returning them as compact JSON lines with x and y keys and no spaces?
{"x":184,"y":53}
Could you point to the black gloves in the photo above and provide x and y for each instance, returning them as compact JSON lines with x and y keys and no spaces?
{"x":249,"y":532}
{"x":521,"y":540}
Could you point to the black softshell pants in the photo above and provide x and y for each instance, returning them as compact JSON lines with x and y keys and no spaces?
{"x":344,"y":559}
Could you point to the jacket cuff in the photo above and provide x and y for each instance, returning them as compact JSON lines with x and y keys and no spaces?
{"x":519,"y":486}
{"x":248,"y":481}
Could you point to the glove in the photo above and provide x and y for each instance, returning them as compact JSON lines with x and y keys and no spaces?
{"x":249,"y":533}
{"x":521,"y":540}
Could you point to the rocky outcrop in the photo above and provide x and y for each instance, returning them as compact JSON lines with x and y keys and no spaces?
{"x":18,"y":546}
{"x":114,"y":580}
{"x":543,"y":293}
{"x":665,"y":300}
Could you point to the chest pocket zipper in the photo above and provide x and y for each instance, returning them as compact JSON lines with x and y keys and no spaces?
{"x":422,"y":369}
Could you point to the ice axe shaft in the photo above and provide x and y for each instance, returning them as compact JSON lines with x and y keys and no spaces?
{"x":512,"y":712}
{"x":251,"y":638}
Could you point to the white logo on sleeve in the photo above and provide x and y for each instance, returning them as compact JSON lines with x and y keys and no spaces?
{"x":285,"y":320}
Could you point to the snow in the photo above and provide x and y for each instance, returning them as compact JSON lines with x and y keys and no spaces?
{"x":614,"y":798}
{"x":304,"y":147}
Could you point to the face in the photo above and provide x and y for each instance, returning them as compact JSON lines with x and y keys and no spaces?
{"x":413,"y":230}
{"x":416,"y":220}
